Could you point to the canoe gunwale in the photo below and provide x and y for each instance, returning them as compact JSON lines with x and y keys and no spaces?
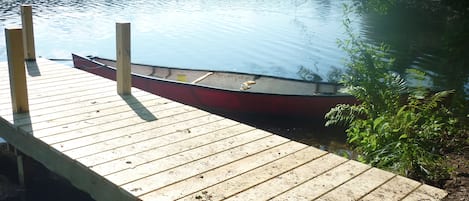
{"x":95,"y":59}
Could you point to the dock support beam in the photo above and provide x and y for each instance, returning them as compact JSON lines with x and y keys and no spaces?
{"x":28,"y":32}
{"x":16,"y":68}
{"x":123,"y":76}
{"x":21,"y":170}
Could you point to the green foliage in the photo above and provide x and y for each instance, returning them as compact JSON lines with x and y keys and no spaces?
{"x":407,"y":140}
{"x":394,"y":127}
{"x":379,"y":6}
{"x":457,"y":8}
{"x":344,"y":114}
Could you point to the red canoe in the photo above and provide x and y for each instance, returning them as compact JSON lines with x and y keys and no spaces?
{"x":227,"y":92}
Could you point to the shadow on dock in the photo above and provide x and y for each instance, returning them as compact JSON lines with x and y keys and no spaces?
{"x":138,"y":108}
{"x":33,"y":69}
{"x":23,"y":120}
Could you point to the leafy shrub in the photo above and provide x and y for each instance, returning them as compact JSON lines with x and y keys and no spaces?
{"x":395,"y":127}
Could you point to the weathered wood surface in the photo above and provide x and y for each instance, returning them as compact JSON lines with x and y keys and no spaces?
{"x":123,"y":55}
{"x":144,"y":147}
{"x":28,"y":32}
{"x":16,"y":69}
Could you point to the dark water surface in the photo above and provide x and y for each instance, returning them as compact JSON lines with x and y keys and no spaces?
{"x":273,"y":37}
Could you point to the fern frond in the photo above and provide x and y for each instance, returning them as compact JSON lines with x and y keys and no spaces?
{"x":344,"y":114}
{"x":435,"y":100}
{"x":398,"y":83}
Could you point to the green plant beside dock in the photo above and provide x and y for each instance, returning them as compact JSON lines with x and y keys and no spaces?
{"x":398,"y":127}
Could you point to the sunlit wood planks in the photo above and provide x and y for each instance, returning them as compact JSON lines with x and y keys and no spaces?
{"x":144,"y":147}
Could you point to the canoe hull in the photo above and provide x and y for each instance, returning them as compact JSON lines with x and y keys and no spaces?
{"x":225,"y":101}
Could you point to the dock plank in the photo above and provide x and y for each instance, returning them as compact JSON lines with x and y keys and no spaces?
{"x":80,"y":129}
{"x":58,"y":91}
{"x":64,"y":109}
{"x":191,"y":169}
{"x":99,"y":142}
{"x":90,"y":114}
{"x":145,"y":151}
{"x":324,"y":183}
{"x":290,"y":179}
{"x":162,"y":144}
{"x":359,"y":186}
{"x":52,"y":83}
{"x":41,"y":102}
{"x":427,"y":193}
{"x":396,"y":189}
{"x":168,"y":157}
{"x":140,"y":135}
{"x":240,"y":183}
{"x":206,"y":179}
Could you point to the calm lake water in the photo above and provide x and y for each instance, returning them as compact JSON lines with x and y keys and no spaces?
{"x":272,"y":37}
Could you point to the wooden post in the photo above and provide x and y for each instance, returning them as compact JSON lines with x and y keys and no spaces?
{"x":123,"y":77}
{"x":23,"y":164}
{"x":16,"y":68}
{"x":28,"y":33}
{"x":21,"y":172}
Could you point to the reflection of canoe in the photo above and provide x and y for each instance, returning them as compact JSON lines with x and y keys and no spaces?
{"x":227,"y":92}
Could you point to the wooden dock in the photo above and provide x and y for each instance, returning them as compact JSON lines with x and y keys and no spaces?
{"x":145,"y":147}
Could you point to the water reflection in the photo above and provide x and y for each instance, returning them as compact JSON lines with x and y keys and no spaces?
{"x":429,"y":41}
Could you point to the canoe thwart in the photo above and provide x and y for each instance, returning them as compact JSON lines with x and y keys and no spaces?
{"x":201,"y":78}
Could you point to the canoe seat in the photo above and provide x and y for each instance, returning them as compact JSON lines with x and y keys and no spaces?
{"x":247,"y":85}
{"x":201,"y":78}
